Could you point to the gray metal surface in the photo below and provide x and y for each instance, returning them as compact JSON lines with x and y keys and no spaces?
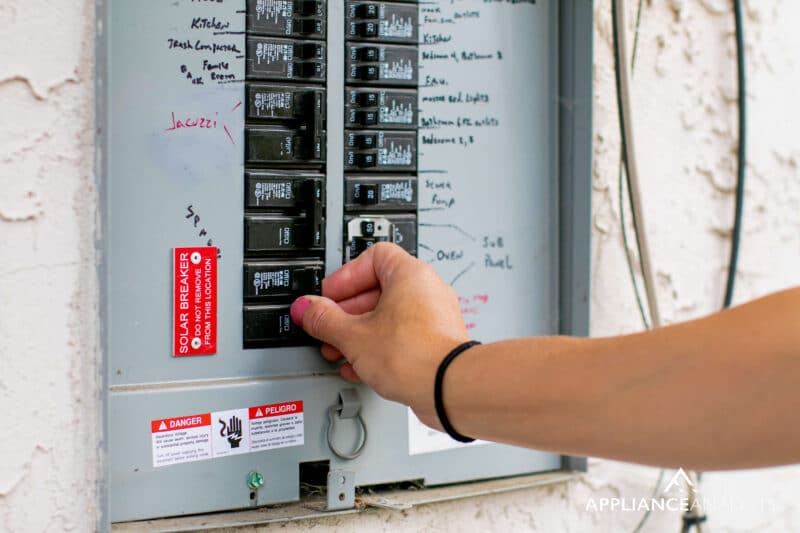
{"x":575,"y":171}
{"x":149,"y":176}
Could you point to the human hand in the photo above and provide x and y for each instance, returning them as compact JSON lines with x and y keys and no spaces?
{"x":392,"y":319}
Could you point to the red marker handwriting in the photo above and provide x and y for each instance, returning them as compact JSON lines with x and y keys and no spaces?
{"x":201,"y":123}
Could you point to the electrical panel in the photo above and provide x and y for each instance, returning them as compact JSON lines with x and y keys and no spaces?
{"x":249,"y":149}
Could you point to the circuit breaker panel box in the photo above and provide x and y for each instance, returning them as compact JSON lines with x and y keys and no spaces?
{"x":249,"y":149}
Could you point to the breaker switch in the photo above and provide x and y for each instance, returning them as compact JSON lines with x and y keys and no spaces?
{"x":271,"y":58}
{"x":367,"y":194}
{"x":271,"y":190}
{"x":367,"y":11}
{"x":362,"y":244}
{"x":276,"y":234}
{"x":307,"y":7}
{"x":367,"y":29}
{"x":369,"y":99}
{"x":368,"y":160}
{"x":307,"y":70}
{"x":380,"y":193}
{"x":264,"y":280}
{"x":307,"y":26}
{"x":286,"y":18}
{"x":366,"y":118}
{"x":368,"y":228}
{"x":366,"y":142}
{"x":363,"y":233}
{"x":303,"y":106}
{"x":307,"y":51}
{"x":370,"y":54}
{"x":277,"y":145}
{"x":368,"y":73}
{"x":271,"y":325}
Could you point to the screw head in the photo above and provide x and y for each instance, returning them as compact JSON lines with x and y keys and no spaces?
{"x":196,"y":343}
{"x":255,"y":480}
{"x":196,"y":258}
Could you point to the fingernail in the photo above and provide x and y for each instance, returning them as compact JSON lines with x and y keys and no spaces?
{"x":298,"y":309}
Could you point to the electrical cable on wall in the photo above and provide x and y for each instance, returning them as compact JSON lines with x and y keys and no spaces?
{"x":628,"y":162}
{"x":627,"y":140}
{"x":621,"y":187}
{"x":736,"y":236}
{"x":628,"y":256}
{"x":693,"y":518}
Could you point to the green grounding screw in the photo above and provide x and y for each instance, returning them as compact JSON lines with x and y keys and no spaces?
{"x":255,"y":480}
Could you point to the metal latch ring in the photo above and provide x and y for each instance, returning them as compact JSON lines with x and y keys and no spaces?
{"x":349,"y":406}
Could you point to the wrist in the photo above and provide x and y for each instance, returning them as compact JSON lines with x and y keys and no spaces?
{"x":438,"y":395}
{"x":422,"y":397}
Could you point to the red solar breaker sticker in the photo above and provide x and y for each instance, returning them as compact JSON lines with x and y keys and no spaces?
{"x":195,"y":301}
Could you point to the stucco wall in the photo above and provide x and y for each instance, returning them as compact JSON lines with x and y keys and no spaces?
{"x":686,"y":123}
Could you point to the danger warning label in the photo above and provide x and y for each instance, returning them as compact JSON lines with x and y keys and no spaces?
{"x":181,"y":440}
{"x":206,"y":436}
{"x":276,"y":426}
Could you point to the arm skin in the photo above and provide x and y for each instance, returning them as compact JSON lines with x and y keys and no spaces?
{"x":721,"y":392}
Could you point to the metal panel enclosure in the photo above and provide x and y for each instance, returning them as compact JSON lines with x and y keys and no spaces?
{"x":501,"y":183}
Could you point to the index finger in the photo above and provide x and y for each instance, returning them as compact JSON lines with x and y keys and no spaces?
{"x":370,"y":270}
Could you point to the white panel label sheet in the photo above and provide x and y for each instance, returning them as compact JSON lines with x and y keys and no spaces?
{"x":488,"y":158}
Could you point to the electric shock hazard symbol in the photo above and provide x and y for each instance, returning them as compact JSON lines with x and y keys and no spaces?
{"x":231,"y":432}
{"x":195,"y":301}
{"x":207,"y":436}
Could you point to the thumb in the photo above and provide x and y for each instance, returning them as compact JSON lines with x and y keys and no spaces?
{"x":323,"y":319}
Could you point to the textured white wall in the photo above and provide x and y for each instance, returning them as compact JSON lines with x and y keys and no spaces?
{"x":48,"y":326}
{"x":686,"y":124}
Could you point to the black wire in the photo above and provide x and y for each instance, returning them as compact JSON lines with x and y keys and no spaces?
{"x":623,"y":225}
{"x":736,"y":237}
{"x":623,"y":144}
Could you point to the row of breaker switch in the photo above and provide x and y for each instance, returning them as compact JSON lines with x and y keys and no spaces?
{"x":285,"y":152}
{"x":381,"y":109}
{"x":284,"y":209}
{"x":272,"y":58}
{"x":385,"y":21}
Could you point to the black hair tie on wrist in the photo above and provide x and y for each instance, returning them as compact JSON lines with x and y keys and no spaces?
{"x":437,"y":391}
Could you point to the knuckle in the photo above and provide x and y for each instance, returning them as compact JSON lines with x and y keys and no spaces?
{"x":317,"y":319}
{"x":427,"y":269}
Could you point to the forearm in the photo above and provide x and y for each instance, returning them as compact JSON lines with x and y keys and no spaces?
{"x":720,"y":392}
